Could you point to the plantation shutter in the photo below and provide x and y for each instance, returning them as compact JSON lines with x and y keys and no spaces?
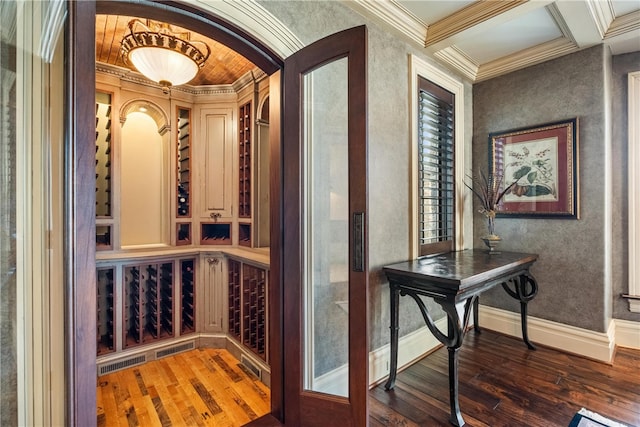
{"x":435,"y":169}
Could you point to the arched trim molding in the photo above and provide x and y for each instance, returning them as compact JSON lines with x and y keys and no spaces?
{"x":246,"y":27}
{"x":149,"y":108}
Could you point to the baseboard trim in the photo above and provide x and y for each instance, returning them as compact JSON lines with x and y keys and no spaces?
{"x":594,"y":345}
{"x":627,"y":333}
{"x":411,"y":347}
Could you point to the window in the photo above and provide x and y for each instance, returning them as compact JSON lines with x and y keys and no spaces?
{"x":438,"y":162}
{"x":436,"y":156}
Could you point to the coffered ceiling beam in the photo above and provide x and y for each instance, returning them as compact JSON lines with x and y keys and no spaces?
{"x":475,"y":19}
{"x":580,"y":21}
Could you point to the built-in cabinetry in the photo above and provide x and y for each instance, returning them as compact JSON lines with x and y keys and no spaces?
{"x":247,"y":287}
{"x":183,"y":176}
{"x":245,"y":133}
{"x":215,"y":148}
{"x":105,"y":310}
{"x":148,"y":303}
{"x":194,"y":277}
{"x":213,"y":268}
{"x":187,"y":296}
{"x":157,"y":299}
{"x":104,"y":221}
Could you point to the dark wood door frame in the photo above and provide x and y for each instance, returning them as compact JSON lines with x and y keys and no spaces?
{"x":79,"y":197}
{"x":306,"y":407}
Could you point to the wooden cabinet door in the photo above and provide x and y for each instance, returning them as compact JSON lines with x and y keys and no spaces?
{"x":216,"y":168}
{"x":324,"y":242}
{"x":213,"y":302}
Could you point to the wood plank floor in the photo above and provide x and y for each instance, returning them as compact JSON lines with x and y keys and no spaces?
{"x":205,"y":387}
{"x":501,"y":384}
{"x":504,"y":384}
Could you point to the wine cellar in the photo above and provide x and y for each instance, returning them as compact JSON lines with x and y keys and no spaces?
{"x":177,"y":266}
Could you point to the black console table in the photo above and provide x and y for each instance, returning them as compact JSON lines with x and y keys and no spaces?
{"x":456,"y":279}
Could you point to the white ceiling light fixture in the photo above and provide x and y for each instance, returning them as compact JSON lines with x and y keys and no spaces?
{"x":162,"y":55}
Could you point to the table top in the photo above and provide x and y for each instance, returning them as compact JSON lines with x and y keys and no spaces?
{"x":457,"y":271}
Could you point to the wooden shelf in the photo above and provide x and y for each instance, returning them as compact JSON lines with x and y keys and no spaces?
{"x":148,"y":303}
{"x":215,"y":233}
{"x":244,"y":235}
{"x":247,"y":306}
{"x":187,"y":296}
{"x":234,"y":298}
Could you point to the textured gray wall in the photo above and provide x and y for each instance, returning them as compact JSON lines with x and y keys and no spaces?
{"x":389,"y":145}
{"x":574,"y":287}
{"x":622,"y":66}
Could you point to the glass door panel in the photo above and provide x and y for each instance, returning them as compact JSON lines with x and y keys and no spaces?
{"x":326,"y":229}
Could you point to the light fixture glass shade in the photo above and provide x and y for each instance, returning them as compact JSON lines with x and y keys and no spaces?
{"x":162,"y":55}
{"x":163,"y":65}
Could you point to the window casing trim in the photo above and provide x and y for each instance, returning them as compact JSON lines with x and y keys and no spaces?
{"x":421,"y":68}
{"x":634,"y":191}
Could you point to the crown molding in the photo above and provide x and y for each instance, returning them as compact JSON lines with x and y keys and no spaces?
{"x":602,"y":14}
{"x":466,"y":18}
{"x":392,"y":13}
{"x":560,"y":21}
{"x":460,"y":62}
{"x":126,"y":75}
{"x":526,"y":58}
{"x":624,"y":24}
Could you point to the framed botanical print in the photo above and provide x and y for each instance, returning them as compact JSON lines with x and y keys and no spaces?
{"x":542,"y":161}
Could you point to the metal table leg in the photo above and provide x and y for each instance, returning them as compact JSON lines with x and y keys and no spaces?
{"x":393,"y":363}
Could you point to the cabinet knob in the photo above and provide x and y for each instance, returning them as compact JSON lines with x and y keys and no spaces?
{"x":215,"y":215}
{"x":213,"y":261}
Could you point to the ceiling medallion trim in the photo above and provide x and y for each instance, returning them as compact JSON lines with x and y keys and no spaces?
{"x":466,"y":18}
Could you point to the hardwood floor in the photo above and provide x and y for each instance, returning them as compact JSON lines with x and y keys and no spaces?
{"x":204,"y":387}
{"x":504,"y":384}
{"x":501,"y":384}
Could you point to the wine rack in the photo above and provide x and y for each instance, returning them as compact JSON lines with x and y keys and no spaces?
{"x":184,"y":162}
{"x":103,"y":171}
{"x":104,"y":312}
{"x":148,"y":303}
{"x":103,"y":237}
{"x":103,"y":154}
{"x":234,"y":298}
{"x":188,"y":323}
{"x":183,"y":234}
{"x":247,"y":286}
{"x":215,"y":233}
{"x":244,"y":154}
{"x":253,"y":310}
{"x":244,"y":234}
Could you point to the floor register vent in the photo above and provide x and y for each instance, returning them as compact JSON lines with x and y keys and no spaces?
{"x":250,"y":366}
{"x":175,"y":349}
{"x":121,"y":364}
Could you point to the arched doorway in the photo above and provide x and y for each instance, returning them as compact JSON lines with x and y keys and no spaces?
{"x":80,"y":267}
{"x":306,"y":403}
